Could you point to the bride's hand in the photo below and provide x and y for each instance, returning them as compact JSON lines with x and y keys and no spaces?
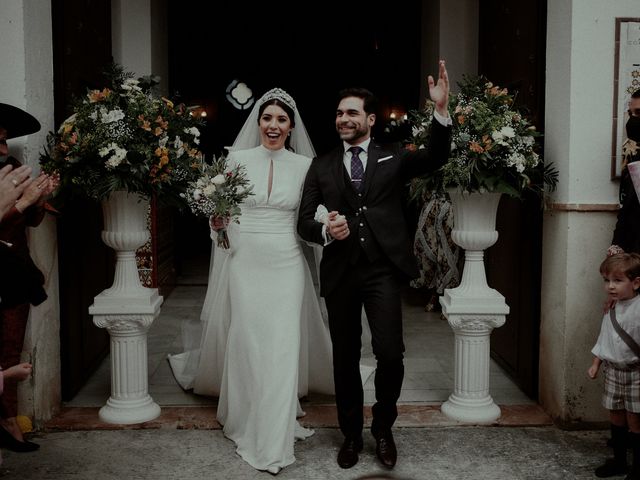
{"x":218,"y":223}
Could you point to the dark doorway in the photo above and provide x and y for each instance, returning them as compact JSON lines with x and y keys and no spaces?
{"x":512,"y":54}
{"x":311,"y":50}
{"x":81,"y":50}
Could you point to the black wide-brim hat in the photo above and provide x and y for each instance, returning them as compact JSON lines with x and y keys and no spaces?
{"x":17,"y":122}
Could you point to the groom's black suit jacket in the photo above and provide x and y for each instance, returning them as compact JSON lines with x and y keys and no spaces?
{"x":376,"y":218}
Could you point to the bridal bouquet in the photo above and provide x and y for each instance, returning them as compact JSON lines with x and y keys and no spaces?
{"x":493,"y":145}
{"x":218,"y":192}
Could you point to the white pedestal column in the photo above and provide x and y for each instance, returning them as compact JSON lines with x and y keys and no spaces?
{"x":127,"y":310}
{"x":130,"y":401}
{"x":473,"y":309}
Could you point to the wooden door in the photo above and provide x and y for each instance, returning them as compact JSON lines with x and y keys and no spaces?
{"x":512,"y":55}
{"x":81,"y":50}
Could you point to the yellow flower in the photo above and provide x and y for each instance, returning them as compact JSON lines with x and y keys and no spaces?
{"x":168,"y":102}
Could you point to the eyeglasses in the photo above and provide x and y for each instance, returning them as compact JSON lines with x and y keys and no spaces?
{"x":634,"y":113}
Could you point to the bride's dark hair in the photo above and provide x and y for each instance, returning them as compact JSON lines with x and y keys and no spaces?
{"x":286,"y":108}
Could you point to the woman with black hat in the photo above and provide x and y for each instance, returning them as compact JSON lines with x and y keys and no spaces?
{"x":24,"y":286}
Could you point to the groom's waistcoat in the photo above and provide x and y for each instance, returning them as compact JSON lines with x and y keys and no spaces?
{"x":365,"y":241}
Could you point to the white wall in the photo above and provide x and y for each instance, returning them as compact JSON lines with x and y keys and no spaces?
{"x":450,"y":32}
{"x":139,"y":37}
{"x":578,"y":136}
{"x":27,"y":82}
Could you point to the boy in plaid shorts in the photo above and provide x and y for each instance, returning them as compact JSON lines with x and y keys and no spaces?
{"x":621,"y":365}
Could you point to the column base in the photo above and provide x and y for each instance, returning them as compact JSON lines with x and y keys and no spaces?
{"x":482,"y":410}
{"x":127,"y":412}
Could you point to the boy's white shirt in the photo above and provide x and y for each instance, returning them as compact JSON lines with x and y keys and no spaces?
{"x":610,"y":346}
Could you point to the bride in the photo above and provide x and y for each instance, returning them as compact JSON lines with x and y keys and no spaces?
{"x":263,"y":343}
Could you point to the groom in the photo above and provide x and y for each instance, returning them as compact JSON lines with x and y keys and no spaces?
{"x":367,"y":257}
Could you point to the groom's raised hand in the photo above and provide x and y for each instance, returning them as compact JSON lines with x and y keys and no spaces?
{"x":439,"y":92}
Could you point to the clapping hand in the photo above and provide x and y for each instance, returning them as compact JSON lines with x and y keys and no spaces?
{"x":12,"y":184}
{"x":439,"y":92}
{"x":37,"y":192}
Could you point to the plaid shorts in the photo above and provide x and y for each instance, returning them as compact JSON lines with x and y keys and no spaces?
{"x":621,"y":387}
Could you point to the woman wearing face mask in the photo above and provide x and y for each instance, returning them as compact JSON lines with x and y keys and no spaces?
{"x":626,"y":236}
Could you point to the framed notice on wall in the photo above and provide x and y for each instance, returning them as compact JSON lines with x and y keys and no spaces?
{"x":626,"y":81}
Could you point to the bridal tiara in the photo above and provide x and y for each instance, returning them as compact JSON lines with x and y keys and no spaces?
{"x":278,"y":94}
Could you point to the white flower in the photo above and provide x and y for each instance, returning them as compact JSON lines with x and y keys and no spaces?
{"x":131,"y":84}
{"x":119,"y":154}
{"x":177,"y":143}
{"x":197,"y":194}
{"x":163,"y":141}
{"x":104,"y":151}
{"x":508,"y":132}
{"x":209,"y":190}
{"x":527,"y":140}
{"x":193,"y":131}
{"x":517,"y":160}
{"x":112,"y":116}
{"x":415,"y":130}
{"x":218,"y":179}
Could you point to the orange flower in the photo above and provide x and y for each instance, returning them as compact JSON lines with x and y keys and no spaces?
{"x":475,"y":147}
{"x":412,"y":147}
{"x":461,"y":119}
{"x":161,"y":122}
{"x":161,"y":152}
{"x":164,"y":159}
{"x":97,"y":95}
{"x":168,"y":102}
{"x":144,"y":124}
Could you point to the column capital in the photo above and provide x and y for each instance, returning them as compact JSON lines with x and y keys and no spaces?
{"x":475,"y":323}
{"x":124,"y":323}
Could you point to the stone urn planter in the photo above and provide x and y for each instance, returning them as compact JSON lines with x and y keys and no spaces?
{"x":127,"y":310}
{"x":473,"y":309}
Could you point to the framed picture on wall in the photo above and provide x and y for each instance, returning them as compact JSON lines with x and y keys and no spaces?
{"x":626,"y":81}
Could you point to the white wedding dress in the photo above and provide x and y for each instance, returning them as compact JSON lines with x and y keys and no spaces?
{"x":264,"y":342}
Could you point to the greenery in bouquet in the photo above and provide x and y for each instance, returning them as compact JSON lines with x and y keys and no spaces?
{"x":218,"y":191}
{"x":125,"y":137}
{"x":493,"y":146}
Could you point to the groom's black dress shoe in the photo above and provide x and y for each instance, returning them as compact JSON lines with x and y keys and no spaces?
{"x":348,"y":454}
{"x":386,"y":449}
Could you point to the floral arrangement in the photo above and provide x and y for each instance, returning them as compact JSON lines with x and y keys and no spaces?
{"x":493,"y":146}
{"x":218,"y":192}
{"x":125,"y":137}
